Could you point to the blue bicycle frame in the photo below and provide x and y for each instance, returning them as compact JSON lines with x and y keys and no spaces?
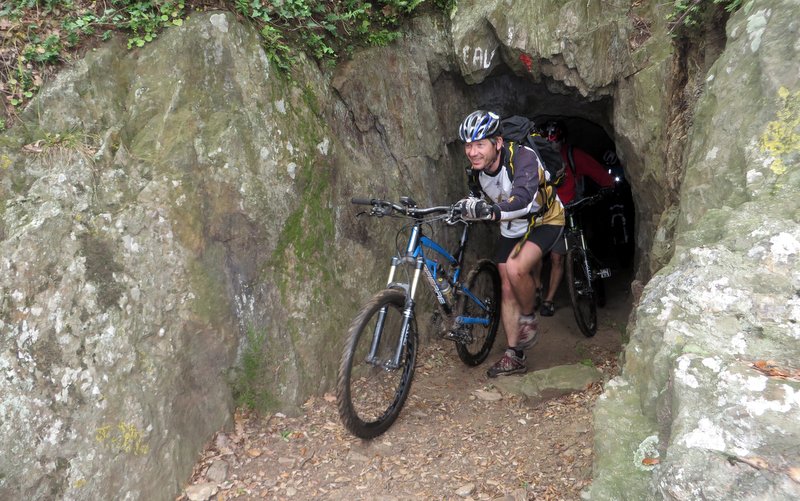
{"x":415,"y":254}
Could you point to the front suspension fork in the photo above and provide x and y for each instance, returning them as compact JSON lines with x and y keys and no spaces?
{"x":408,"y":318}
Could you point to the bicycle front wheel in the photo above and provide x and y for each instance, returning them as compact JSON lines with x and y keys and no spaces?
{"x":480,"y":306}
{"x":584,"y":301}
{"x":371,"y":387}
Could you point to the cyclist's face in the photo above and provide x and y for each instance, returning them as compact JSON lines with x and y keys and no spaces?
{"x":482,"y":154}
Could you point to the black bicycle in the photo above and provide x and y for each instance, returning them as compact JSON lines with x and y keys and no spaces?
{"x":377,"y":364}
{"x":584,"y":271}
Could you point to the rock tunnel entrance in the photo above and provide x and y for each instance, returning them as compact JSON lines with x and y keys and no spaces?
{"x":610,"y":224}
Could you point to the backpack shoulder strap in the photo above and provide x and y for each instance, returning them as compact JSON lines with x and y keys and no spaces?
{"x":511,"y":148}
{"x":547,"y":192}
{"x":473,"y":184}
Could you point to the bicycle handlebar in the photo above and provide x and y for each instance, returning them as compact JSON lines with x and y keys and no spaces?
{"x":385,"y":207}
{"x":587,"y":201}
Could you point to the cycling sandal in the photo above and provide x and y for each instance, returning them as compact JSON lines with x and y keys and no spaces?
{"x":548,"y":309}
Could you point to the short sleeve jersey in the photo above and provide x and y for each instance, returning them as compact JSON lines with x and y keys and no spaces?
{"x":520,"y":193}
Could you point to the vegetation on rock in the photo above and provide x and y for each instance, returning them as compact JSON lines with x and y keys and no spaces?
{"x":37,"y":35}
{"x":688,"y":15}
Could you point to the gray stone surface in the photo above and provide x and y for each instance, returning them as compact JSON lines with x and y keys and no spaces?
{"x":173,"y":204}
{"x":164,"y":207}
{"x":550,"y":383}
{"x":727,"y":302}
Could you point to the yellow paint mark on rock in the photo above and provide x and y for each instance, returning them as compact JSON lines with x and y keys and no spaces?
{"x":124,"y":437}
{"x":783,"y":135}
{"x":101,"y":435}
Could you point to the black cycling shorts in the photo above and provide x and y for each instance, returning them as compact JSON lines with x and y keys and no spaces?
{"x":544,"y":237}
{"x":560,"y":247}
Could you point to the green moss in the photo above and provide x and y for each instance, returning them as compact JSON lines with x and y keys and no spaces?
{"x":4,"y":195}
{"x":310,"y":99}
{"x":251,"y":387}
{"x":302,"y":246}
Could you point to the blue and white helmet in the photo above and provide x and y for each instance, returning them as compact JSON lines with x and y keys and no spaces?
{"x":479,"y":125}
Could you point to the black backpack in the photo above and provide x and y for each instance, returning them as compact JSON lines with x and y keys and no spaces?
{"x":519,"y":130}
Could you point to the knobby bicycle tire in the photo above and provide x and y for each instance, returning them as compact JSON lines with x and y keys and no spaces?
{"x":370,"y":394}
{"x":584,"y":301}
{"x":484,"y":282}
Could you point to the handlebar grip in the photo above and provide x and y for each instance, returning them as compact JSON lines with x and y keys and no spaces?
{"x":361,"y":201}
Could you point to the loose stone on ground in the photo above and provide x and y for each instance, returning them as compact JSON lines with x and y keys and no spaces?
{"x":459,"y":437}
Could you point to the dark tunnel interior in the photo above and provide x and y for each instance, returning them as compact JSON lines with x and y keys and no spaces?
{"x":609,"y":224}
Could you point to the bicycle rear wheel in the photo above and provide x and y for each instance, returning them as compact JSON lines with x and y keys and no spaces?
{"x":475,"y":340}
{"x":371,"y":391}
{"x":584,"y":301}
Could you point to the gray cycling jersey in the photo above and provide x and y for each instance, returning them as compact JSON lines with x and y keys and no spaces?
{"x":516,"y":195}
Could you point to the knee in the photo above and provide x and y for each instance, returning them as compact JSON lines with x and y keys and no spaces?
{"x":514,"y":271}
{"x":506,"y":289}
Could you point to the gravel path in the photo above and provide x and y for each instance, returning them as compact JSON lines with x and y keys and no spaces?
{"x":458,"y":437}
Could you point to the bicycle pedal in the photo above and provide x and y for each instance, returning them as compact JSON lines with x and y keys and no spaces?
{"x":604,"y":273}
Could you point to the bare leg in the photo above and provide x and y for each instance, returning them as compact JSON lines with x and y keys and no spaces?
{"x":537,"y":274}
{"x":518,"y":291}
{"x":556,"y":273}
{"x":518,"y":269}
{"x":509,"y":310}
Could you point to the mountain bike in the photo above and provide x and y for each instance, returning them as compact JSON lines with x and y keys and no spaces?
{"x":583,"y":270}
{"x":377,"y":364}
{"x":621,"y":225}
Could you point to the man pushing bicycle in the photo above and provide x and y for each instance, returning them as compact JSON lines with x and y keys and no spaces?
{"x":531,"y":220}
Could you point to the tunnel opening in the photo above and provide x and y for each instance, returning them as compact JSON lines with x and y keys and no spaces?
{"x":609,"y":225}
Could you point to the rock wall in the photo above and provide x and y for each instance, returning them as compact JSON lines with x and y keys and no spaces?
{"x":704,"y":408}
{"x":695,"y":413}
{"x":167,"y":209}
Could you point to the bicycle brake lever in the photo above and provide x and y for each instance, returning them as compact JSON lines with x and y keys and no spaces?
{"x":454,"y":219}
{"x":381,"y":211}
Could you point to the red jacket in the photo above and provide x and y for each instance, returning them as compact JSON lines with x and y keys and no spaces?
{"x":585,"y":165}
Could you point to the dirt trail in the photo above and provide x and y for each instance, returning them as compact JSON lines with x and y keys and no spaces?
{"x":458,"y":437}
